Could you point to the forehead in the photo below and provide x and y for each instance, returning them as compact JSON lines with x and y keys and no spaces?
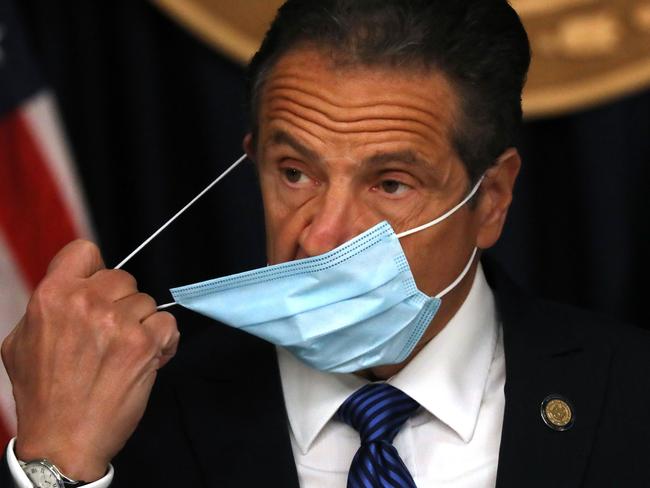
{"x":309,"y":92}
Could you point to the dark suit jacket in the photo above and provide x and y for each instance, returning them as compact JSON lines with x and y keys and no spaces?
{"x":216,"y":417}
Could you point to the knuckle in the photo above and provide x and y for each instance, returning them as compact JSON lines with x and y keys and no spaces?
{"x":139,"y":341}
{"x":167,"y":320}
{"x":164,"y":332}
{"x":46,"y":297}
{"x":35,"y":306}
{"x":124,"y":278}
{"x":45,"y":294}
{"x":115,"y":277}
{"x":166,"y":325}
{"x":88,"y":249}
{"x":79,"y":247}
{"x":147,"y":300}
{"x":109,"y":318}
{"x":85,"y":246}
{"x":80,"y":302}
{"x":6,"y":350}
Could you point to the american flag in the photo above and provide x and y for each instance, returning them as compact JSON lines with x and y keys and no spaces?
{"x":41,"y":205}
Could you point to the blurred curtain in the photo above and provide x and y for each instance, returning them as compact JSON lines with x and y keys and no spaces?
{"x":154,"y":115}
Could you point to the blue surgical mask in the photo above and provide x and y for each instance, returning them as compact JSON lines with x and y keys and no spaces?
{"x":352,"y":308}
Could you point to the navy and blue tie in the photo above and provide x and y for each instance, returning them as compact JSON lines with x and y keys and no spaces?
{"x":377,"y":411}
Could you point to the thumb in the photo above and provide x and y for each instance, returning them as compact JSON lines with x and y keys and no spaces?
{"x":80,"y":259}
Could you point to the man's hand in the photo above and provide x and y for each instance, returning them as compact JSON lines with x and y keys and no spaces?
{"x":82,"y":362}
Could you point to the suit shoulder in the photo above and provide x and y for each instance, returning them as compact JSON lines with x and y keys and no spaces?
{"x":629,"y":344}
{"x":598,"y":325}
{"x":517,"y":305}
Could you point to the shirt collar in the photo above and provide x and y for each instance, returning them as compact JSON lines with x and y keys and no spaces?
{"x":447,"y":377}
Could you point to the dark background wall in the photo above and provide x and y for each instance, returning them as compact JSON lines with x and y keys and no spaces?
{"x":153,"y":115}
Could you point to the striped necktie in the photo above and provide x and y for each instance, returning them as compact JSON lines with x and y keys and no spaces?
{"x":377,"y":411}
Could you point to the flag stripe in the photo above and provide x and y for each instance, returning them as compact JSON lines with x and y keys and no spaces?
{"x":33,"y":215}
{"x":42,"y":116}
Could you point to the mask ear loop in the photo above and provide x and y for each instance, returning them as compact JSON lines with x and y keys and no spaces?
{"x":460,"y":277}
{"x":440,"y":219}
{"x":178,"y":214}
{"x":445,"y":215}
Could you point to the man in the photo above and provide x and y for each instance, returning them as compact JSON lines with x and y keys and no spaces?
{"x":362,"y":112}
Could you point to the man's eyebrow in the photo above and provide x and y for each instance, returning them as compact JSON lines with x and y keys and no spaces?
{"x":280,"y":137}
{"x":405,"y":156}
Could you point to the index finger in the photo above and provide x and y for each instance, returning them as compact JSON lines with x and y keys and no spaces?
{"x":80,"y":259}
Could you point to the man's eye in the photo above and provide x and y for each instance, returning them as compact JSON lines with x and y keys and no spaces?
{"x":293,"y":175}
{"x":393,"y":187}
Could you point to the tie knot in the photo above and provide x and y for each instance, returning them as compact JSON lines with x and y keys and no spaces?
{"x":377,"y":411}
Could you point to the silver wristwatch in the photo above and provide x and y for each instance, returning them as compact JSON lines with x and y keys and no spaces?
{"x":43,"y":474}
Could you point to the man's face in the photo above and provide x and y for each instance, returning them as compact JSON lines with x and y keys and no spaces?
{"x":341,"y":149}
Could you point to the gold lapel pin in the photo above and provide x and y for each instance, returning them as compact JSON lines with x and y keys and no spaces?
{"x":557,"y":413}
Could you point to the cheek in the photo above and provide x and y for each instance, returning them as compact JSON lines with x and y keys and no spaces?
{"x":438,"y":256}
{"x":426,"y":260}
{"x":283,"y":224}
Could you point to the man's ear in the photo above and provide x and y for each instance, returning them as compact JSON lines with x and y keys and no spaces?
{"x":249,"y":147}
{"x":495,"y":197}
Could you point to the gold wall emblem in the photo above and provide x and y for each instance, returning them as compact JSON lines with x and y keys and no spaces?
{"x":585,"y":52}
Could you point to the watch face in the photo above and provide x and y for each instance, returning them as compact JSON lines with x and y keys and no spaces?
{"x":40,"y":476}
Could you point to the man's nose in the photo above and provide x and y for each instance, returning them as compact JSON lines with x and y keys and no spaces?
{"x":337,"y":218}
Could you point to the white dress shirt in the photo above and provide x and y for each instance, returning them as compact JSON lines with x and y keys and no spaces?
{"x":453,"y":440}
{"x":458,"y":379}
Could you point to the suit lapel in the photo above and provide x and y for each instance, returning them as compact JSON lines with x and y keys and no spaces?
{"x":238,"y":428}
{"x":544,"y":356}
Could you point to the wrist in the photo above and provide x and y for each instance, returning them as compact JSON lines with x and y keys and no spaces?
{"x":72,"y":463}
